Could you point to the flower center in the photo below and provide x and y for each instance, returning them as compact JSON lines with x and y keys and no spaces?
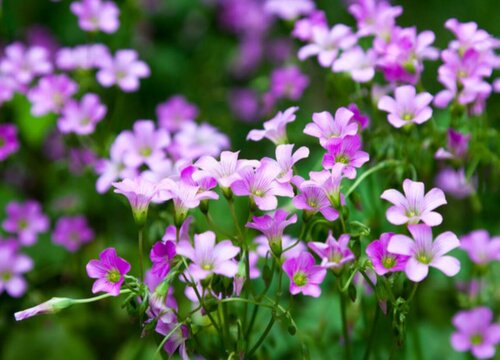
{"x":207,"y":267}
{"x":146,"y":151}
{"x":336,"y":257}
{"x":407,"y":116}
{"x":120,"y":74}
{"x":462,"y":74}
{"x":424,"y":258}
{"x":342,"y":159}
{"x":85,"y":120}
{"x":2,"y":142}
{"x":258,"y":193}
{"x":388,"y":262}
{"x":6,"y":276}
{"x":476,"y":339}
{"x":312,"y":203}
{"x":113,"y":276}
{"x":300,"y":278}
{"x":22,"y":224}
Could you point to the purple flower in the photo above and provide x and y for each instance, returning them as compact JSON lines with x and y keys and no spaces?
{"x":358,"y":63}
{"x":51,"y":306}
{"x":345,"y":155}
{"x":358,"y":118}
{"x":261,"y":185}
{"x":26,"y":220}
{"x":195,"y":140}
{"x":303,"y":28}
{"x":476,"y":332}
{"x":414,"y":206}
{"x":288,"y":9}
{"x":425,"y":252}
{"x":469,"y":36}
{"x":407,"y":107}
{"x":480,"y":247}
{"x":124,"y":69}
{"x":24,"y":64}
{"x":81,"y":57}
{"x":286,"y":159}
{"x":305,"y":276}
{"x":294,"y":246}
{"x":334,"y":254}
{"x":374,"y":17}
{"x":139,"y":192}
{"x":161,"y":256}
{"x":174,"y":112}
{"x":12,"y":266}
{"x":272,"y":226}
{"x":312,"y":198}
{"x":382,"y":260}
{"x":51,"y":94}
{"x":275,"y":129}
{"x":109,"y":271}
{"x":177,"y":339}
{"x":226,"y":170}
{"x":72,"y":232}
{"x":288,"y":83}
{"x":146,"y":144}
{"x":325,"y":127}
{"x":326,"y":44}
{"x":458,"y":145}
{"x":455,"y":183}
{"x":244,"y":103}
{"x":81,"y":118}
{"x":9,"y":144}
{"x":95,"y":15}
{"x":208,"y":257}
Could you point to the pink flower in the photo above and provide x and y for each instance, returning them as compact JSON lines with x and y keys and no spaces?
{"x":272,"y":226}
{"x":109,"y":271}
{"x":305,"y":276}
{"x":457,"y":146}
{"x":139,"y":192}
{"x":288,"y":83}
{"x":124,"y":70}
{"x":275,"y":129}
{"x":81,"y":118}
{"x":359,"y":118}
{"x":174,"y":112}
{"x":345,"y":155}
{"x":24,"y":64}
{"x":161,"y":256}
{"x":12,"y":266}
{"x":476,"y":332}
{"x":303,"y":28}
{"x":334,"y":254}
{"x":382,"y":260}
{"x":325,"y":127}
{"x":407,"y":107}
{"x":480,"y":247}
{"x":72,"y":232}
{"x":326,"y":44}
{"x":261,"y":185}
{"x":329,"y":182}
{"x":82,"y":57}
{"x":455,"y":183}
{"x":359,"y":64}
{"x":176,"y":340}
{"x":26,"y":220}
{"x":374,"y":17}
{"x":414,"y":206}
{"x":312,"y":198}
{"x":286,"y":159}
{"x":95,"y":15}
{"x":291,"y":247}
{"x":425,"y":252}
{"x":288,"y":9}
{"x":9,"y":143}
{"x":208,"y":257}
{"x":51,"y":94}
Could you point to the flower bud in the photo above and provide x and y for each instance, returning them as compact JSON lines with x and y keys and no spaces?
{"x":51,"y":306}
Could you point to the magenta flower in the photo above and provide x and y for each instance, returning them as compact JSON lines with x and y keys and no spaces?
{"x":374,"y":17}
{"x":288,"y":83}
{"x":96,"y":15}
{"x":208,"y":257}
{"x":9,"y":144}
{"x":81,"y":118}
{"x":109,"y":271}
{"x":272,"y":226}
{"x":51,"y":306}
{"x":146,"y":144}
{"x":476,"y":332}
{"x":303,"y":28}
{"x":174,"y":112}
{"x":226,"y":170}
{"x":176,"y":340}
{"x":327,"y":43}
{"x":275,"y":129}
{"x":81,"y":57}
{"x":358,"y":118}
{"x":139,"y":192}
{"x":382,"y":260}
{"x":72,"y":232}
{"x":161,"y":256}
{"x":425,"y":252}
{"x":480,"y":247}
{"x":305,"y":276}
{"x":414,"y":206}
{"x":12,"y":266}
{"x":407,"y":107}
{"x":24,"y":64}
{"x":124,"y":70}
{"x":244,"y":103}
{"x":334,"y":254}
{"x":261,"y":185}
{"x":358,"y":63}
{"x":455,"y":183}
{"x":51,"y":94}
{"x":345,"y":155}
{"x":312,"y":198}
{"x":325,"y":127}
{"x":26,"y":220}
{"x":457,"y":147}
{"x":289,"y":9}
{"x":329,"y":181}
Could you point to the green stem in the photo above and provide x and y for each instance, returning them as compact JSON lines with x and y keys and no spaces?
{"x":141,"y":254}
{"x":165,"y":339}
{"x":368,"y":280}
{"x":372,"y":334}
{"x":344,"y":288}
{"x":362,"y":177}
{"x":413,"y":292}
{"x":345,"y":328}
{"x":97,"y":298}
{"x":262,"y":337}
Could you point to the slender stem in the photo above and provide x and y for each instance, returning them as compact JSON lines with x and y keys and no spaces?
{"x":262,"y":337}
{"x":345,"y":329}
{"x":141,"y":253}
{"x":243,"y":300}
{"x":413,"y":292}
{"x":344,"y":288}
{"x":359,"y":180}
{"x":368,"y":280}
{"x":165,"y":339}
{"x":371,"y":339}
{"x":97,"y":298}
